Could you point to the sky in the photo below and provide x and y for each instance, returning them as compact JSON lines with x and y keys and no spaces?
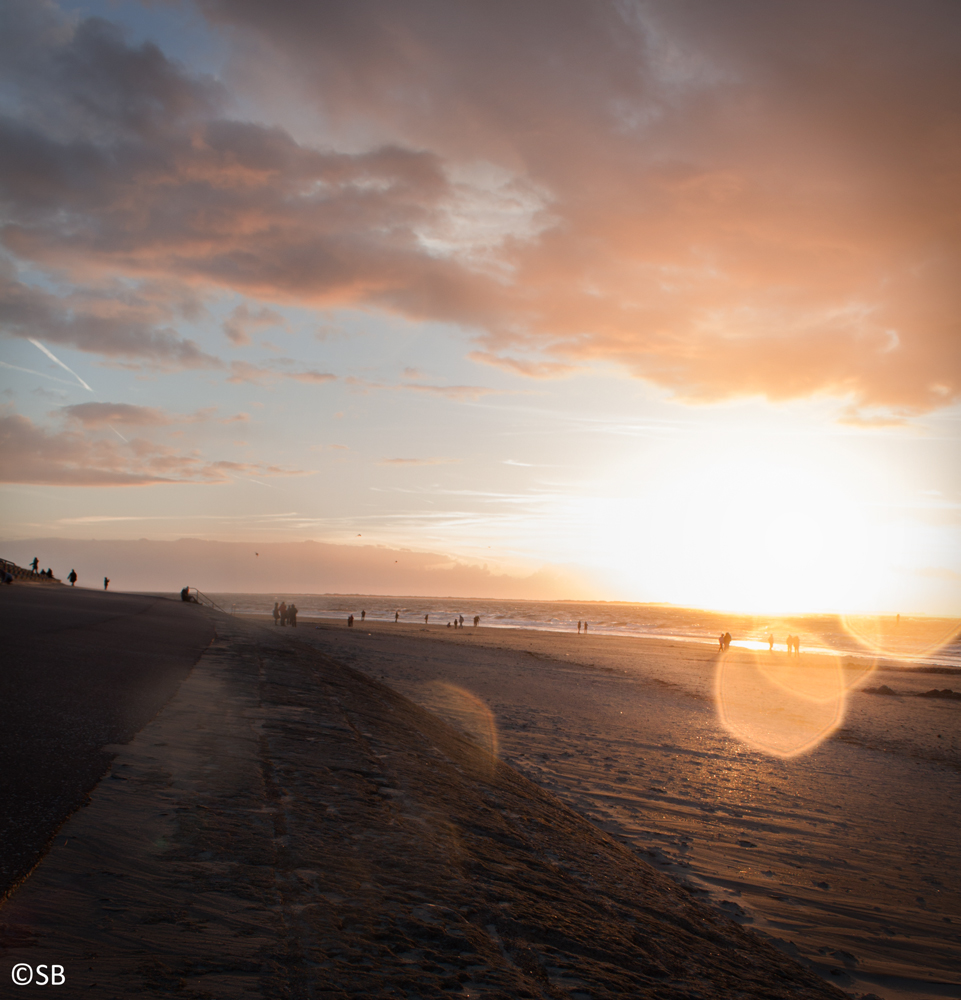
{"x":643,"y":301}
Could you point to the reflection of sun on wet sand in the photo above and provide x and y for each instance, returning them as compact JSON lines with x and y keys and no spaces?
{"x":780,"y":704}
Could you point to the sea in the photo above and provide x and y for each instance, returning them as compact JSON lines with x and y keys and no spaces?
{"x":918,"y":642}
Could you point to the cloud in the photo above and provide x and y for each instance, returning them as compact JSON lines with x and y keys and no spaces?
{"x":459,"y":393}
{"x":419,"y":461}
{"x":115,"y":325}
{"x":239,"y":324}
{"x":73,"y":458}
{"x":244,"y":371}
{"x":725,"y":200}
{"x":99,"y":415}
{"x":104,"y":414}
{"x":516,"y":366}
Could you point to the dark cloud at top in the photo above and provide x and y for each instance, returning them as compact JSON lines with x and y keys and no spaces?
{"x":725,"y":198}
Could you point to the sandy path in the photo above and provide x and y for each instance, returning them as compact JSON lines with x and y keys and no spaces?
{"x":849,"y":854}
{"x":80,"y":669}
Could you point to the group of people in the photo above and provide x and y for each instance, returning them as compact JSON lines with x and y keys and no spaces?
{"x":724,"y":642}
{"x":792,"y":644}
{"x":580,"y":624}
{"x":286,"y":614}
{"x":456,"y":622}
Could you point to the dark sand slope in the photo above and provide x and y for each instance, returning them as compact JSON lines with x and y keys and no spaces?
{"x":80,"y":669}
{"x":288,"y":827}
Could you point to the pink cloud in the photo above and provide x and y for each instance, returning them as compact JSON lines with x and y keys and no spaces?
{"x":72,"y":458}
{"x":724,"y":200}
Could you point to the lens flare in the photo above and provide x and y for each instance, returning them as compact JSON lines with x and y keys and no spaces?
{"x":780,"y":704}
{"x":895,"y":638}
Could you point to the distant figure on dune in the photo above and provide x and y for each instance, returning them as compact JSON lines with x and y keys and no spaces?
{"x":35,"y":564}
{"x":276,"y":613}
{"x":283,"y":612}
{"x":73,"y":577}
{"x":292,"y":614}
{"x":770,"y":643}
{"x":396,"y":616}
{"x":106,"y":580}
{"x":350,"y":621}
{"x":476,"y":620}
{"x":363,"y":615}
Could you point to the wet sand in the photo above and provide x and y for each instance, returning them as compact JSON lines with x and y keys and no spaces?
{"x":847,"y":856}
{"x":286,"y":826}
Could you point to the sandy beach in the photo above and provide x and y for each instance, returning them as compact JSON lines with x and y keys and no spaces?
{"x":286,"y":826}
{"x":846,"y":856}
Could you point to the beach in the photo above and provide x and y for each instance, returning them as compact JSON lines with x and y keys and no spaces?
{"x":409,"y":810}
{"x":846,"y":855}
{"x":287,"y":826}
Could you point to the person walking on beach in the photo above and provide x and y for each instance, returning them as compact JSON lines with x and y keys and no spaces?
{"x":797,"y":645}
{"x":727,"y":640}
{"x":425,"y":618}
{"x":106,"y":581}
{"x":283,"y":612}
{"x":292,"y":614}
{"x":720,"y":643}
{"x":363,"y":615}
{"x":34,"y":564}
{"x":578,"y":627}
{"x":73,"y":577}
{"x":770,"y":643}
{"x":585,"y":626}
{"x":350,"y":621}
{"x":476,"y":620}
{"x":276,"y":613}
{"x":396,"y":616}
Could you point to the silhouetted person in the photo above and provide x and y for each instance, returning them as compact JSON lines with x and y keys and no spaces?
{"x":35,"y":564}
{"x":292,"y":615}
{"x":727,"y":640}
{"x":585,"y":626}
{"x":797,"y":645}
{"x":350,"y":621}
{"x":448,"y":624}
{"x":770,"y":643}
{"x":396,"y":616}
{"x":425,"y":618}
{"x":106,"y":582}
{"x":476,"y":620}
{"x":276,"y":613}
{"x":461,"y":621}
{"x":578,"y":627}
{"x":283,"y":612}
{"x":185,"y":594}
{"x":363,"y":615}
{"x":73,"y":577}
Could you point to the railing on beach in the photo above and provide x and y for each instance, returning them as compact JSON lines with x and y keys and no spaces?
{"x":202,"y":598}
